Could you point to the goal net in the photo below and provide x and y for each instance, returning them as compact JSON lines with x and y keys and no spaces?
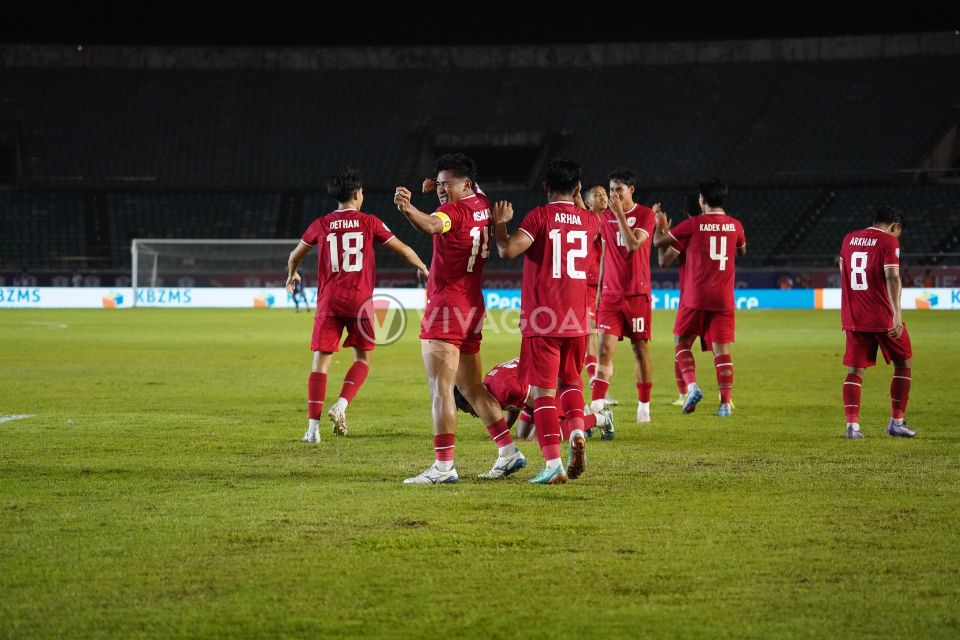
{"x":209,"y":263}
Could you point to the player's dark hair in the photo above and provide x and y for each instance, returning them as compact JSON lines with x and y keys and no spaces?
{"x":343,"y":183}
{"x":461,"y":401}
{"x":691,"y":205}
{"x":563,"y":175}
{"x":714,"y":192}
{"x":595,"y":185}
{"x":623,"y":176}
{"x":888,"y":215}
{"x":459,"y":164}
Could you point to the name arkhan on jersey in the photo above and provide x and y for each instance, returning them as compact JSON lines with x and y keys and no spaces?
{"x":863,"y":242}
{"x":567,"y":218}
{"x":345,"y":224}
{"x":708,"y":226}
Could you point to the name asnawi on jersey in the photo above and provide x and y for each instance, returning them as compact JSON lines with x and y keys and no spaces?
{"x":713,"y":226}
{"x":863,"y":242}
{"x":567,"y":218}
{"x":480,"y":216}
{"x":345,"y":224}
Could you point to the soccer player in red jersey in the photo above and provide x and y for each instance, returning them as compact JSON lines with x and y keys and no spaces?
{"x":556,"y":239}
{"x":871,"y":316}
{"x":504,"y":384}
{"x":625,"y":300}
{"x":596,"y":201}
{"x":346,"y":273}
{"x":450,"y":332}
{"x":709,"y":244}
{"x":666,"y":257}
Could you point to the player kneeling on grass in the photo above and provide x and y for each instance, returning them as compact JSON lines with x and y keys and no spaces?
{"x":346,"y":273}
{"x":709,"y":243}
{"x":871,"y":316}
{"x":556,"y":239}
{"x":504,"y":384}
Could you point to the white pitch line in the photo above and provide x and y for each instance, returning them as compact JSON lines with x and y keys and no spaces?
{"x":9,"y":418}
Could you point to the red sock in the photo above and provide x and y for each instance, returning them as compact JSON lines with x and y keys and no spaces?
{"x":526,"y":415}
{"x":589,"y":422}
{"x":851,"y":398}
{"x":500,"y":433}
{"x":571,"y":400}
{"x":548,"y":426}
{"x":591,"y":366}
{"x":643,"y":391}
{"x":354,"y":380}
{"x":598,"y":389}
{"x":686,"y":364}
{"x":724,"y":365}
{"x":899,"y":392}
{"x":443,"y":446}
{"x":316,"y":389}
{"x":681,"y":385}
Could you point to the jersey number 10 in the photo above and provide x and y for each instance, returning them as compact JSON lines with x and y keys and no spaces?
{"x":352,"y":258}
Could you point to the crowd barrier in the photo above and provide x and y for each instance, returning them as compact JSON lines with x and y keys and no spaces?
{"x":278,"y":298}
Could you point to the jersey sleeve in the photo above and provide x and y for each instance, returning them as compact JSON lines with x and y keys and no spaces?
{"x":532,"y":224}
{"x":451,"y":214}
{"x":891,"y":253}
{"x":313,"y":233}
{"x":646,"y":221}
{"x":681,"y":233}
{"x":741,"y":237}
{"x":381,"y":232}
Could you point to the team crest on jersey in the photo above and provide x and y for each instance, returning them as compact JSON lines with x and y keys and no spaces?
{"x":631,"y":221}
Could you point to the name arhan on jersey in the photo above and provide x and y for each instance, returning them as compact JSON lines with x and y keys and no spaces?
{"x":567,"y":218}
{"x":710,"y":226}
{"x":863,"y":242}
{"x":345,"y":224}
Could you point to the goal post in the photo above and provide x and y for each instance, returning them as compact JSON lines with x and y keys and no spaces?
{"x":175,"y":262}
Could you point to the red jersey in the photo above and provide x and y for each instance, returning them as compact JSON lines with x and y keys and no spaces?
{"x":346,"y":269}
{"x":459,"y":253}
{"x":554,"y":289}
{"x":864,"y":302}
{"x":595,"y":257}
{"x":709,"y":243}
{"x":503,"y":383}
{"x":627,"y":273}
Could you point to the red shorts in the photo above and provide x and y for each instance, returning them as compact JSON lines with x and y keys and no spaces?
{"x":592,"y":291}
{"x":712,"y":326}
{"x":544,"y":360}
{"x":862,"y":348}
{"x":625,"y":317}
{"x":327,"y":331}
{"x":460,"y":327}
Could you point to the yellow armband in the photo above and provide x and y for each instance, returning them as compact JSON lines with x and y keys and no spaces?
{"x":446,"y":220}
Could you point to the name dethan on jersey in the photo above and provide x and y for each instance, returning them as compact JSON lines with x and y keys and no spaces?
{"x":567,"y":218}
{"x":345,"y":224}
{"x":712,"y":226}
{"x":863,"y":242}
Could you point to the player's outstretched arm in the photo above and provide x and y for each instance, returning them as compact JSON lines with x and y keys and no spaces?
{"x":409,"y":256}
{"x":509,"y":246}
{"x":661,"y":230}
{"x":892,"y":276}
{"x":632,"y":238}
{"x":421,"y":221}
{"x":296,"y":256}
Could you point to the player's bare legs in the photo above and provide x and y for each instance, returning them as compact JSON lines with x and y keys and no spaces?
{"x":590,"y":362}
{"x":316,"y":389}
{"x":601,"y":382}
{"x":641,"y":354}
{"x":547,"y":423}
{"x":723,"y":362}
{"x":470,"y":382}
{"x":352,"y":382}
{"x":441,"y":360}
{"x":683,"y":346}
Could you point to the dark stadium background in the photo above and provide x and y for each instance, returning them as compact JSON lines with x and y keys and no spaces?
{"x":187,"y":121}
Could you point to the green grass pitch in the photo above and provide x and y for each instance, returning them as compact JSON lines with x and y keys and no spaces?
{"x":161,"y":490}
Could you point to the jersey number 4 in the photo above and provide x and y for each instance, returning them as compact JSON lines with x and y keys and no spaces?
{"x":576,"y":248}
{"x":718,"y":251}
{"x":352,"y":257}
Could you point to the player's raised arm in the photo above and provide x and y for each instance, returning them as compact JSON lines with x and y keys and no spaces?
{"x":509,"y":246}
{"x":422,"y":222}
{"x":296,"y":256}
{"x":892,"y":275}
{"x":666,"y":255}
{"x":409,"y":256}
{"x":632,"y":238}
